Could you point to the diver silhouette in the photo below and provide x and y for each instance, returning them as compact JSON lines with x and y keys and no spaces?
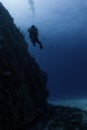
{"x":33,"y":34}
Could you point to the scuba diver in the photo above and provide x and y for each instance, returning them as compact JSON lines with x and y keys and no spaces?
{"x":33,"y":34}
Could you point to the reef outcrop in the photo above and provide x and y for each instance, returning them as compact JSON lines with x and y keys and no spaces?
{"x":23,"y":92}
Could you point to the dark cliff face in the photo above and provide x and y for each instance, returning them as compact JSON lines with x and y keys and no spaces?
{"x":23,"y":93}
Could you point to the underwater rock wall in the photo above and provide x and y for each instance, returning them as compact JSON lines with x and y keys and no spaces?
{"x":23,"y":92}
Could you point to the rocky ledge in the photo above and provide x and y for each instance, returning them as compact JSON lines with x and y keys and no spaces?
{"x":63,"y":118}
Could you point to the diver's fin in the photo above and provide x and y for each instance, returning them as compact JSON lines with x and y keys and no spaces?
{"x":41,"y":47}
{"x":40,"y":44}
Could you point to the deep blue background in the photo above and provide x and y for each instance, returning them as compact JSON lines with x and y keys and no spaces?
{"x":70,"y":76}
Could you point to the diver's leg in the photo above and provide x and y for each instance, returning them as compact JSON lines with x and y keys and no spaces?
{"x":41,"y":46}
{"x":33,"y":42}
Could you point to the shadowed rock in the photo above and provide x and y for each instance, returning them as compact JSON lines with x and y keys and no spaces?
{"x":23,"y":93}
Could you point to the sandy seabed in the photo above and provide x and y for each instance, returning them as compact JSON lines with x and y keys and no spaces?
{"x":80,"y":103}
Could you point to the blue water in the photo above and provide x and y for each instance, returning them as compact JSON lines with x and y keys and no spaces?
{"x":66,"y":66}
